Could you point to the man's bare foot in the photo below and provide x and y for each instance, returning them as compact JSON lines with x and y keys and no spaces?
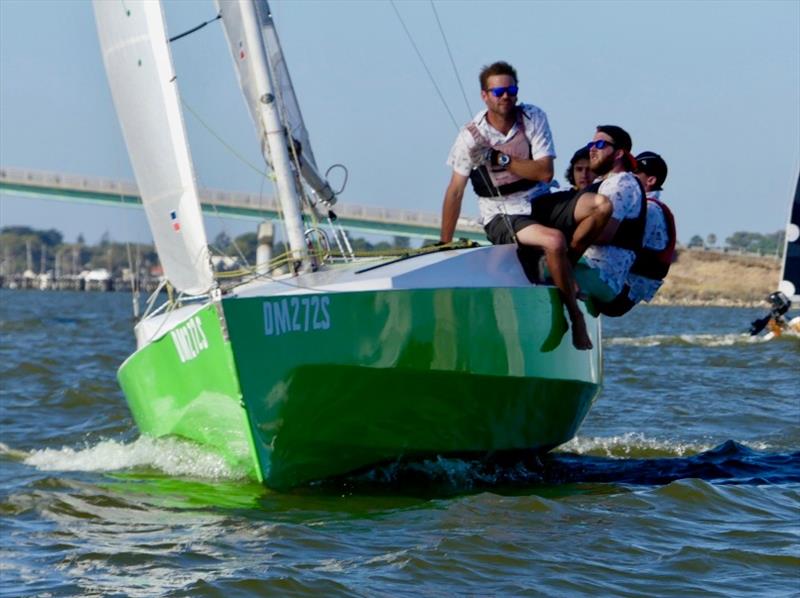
{"x":580,"y":337}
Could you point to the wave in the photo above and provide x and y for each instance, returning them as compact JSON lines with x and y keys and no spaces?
{"x":631,"y":459}
{"x":171,"y":456}
{"x":626,"y":459}
{"x":701,"y":340}
{"x":635,"y":444}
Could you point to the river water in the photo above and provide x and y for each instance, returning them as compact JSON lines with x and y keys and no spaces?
{"x":684,"y":480}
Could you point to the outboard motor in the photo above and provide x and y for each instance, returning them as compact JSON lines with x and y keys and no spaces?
{"x":780,"y":305}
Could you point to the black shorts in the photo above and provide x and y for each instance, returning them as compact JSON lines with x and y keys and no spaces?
{"x":557,"y":210}
{"x":499,"y":228}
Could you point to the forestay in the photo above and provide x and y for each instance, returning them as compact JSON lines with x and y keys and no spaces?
{"x":135,"y":48}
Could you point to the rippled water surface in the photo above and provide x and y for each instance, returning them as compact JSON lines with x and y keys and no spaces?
{"x":684,"y":480}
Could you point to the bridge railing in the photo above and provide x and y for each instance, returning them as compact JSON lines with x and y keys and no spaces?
{"x":106,"y":189}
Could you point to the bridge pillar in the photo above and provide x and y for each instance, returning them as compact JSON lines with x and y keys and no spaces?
{"x":264,"y":250}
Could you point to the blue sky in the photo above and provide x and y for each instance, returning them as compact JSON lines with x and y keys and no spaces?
{"x":712,"y":86}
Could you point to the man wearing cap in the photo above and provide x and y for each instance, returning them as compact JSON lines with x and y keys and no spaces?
{"x":658,"y":246}
{"x":507,"y":152}
{"x":611,"y":256}
{"x":659,"y":231}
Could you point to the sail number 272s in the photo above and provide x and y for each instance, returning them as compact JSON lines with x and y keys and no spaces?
{"x":296,"y":314}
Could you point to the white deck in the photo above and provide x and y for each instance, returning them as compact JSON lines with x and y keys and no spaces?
{"x":494,"y":266}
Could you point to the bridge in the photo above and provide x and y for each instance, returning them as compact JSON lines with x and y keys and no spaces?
{"x":365,"y":219}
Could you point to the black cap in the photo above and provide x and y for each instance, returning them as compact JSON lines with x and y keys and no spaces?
{"x":652,"y":164}
{"x":620,"y":136}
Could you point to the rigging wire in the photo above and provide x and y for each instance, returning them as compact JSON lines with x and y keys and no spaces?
{"x":444,"y":102}
{"x":305,"y":199}
{"x":224,"y":143}
{"x":236,"y":154}
{"x":424,"y":64}
{"x":263,"y":174}
{"x":452,"y":60}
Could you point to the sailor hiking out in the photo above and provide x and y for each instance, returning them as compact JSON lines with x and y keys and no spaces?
{"x":507,"y":150}
{"x":657,"y":252}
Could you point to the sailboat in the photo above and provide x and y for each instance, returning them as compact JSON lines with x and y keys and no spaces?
{"x":341,"y":362}
{"x":775,"y":322}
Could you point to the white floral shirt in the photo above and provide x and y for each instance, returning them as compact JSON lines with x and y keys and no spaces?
{"x":465,"y":156}
{"x":655,"y":237}
{"x":614,"y":263}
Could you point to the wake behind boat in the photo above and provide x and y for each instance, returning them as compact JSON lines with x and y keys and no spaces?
{"x":342,"y":362}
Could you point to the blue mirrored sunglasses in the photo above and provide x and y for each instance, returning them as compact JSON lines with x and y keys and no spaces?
{"x":599,"y":144}
{"x":499,"y":91}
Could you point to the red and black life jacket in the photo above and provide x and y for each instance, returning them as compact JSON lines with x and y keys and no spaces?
{"x":649,"y":263}
{"x":489,"y":182}
{"x":655,"y":263}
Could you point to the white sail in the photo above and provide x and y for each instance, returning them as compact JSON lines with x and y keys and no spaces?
{"x":135,"y":49}
{"x":790,"y":272}
{"x":232,"y":21}
{"x":246,"y":41}
{"x":234,"y":16}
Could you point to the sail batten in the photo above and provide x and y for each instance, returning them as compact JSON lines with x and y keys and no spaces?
{"x":133,"y":41}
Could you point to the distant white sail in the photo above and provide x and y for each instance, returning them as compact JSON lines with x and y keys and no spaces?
{"x":135,"y":48}
{"x":790,"y":272}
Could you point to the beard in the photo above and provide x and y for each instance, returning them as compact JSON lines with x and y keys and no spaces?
{"x":604,"y":166}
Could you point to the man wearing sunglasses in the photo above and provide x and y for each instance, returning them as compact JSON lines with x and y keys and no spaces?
{"x":610,"y":257}
{"x":507,"y":152}
{"x":658,"y":246}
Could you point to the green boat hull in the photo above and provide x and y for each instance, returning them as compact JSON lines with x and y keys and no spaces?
{"x":185,"y":384}
{"x":386,"y":374}
{"x":297,"y":388}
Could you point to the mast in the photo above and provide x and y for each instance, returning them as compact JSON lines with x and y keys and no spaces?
{"x":294,"y":119}
{"x":275,"y":135}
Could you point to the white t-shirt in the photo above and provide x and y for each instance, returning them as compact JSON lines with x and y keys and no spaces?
{"x":465,"y":156}
{"x":614,"y":263}
{"x":655,"y":237}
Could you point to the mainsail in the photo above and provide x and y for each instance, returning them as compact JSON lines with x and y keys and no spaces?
{"x":135,"y":48}
{"x":234,"y":15}
{"x":790,"y":272}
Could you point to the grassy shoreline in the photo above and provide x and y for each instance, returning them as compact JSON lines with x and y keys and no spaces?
{"x":700,"y":278}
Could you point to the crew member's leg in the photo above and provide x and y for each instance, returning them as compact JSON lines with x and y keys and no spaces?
{"x":592,"y":213}
{"x":555,"y":251}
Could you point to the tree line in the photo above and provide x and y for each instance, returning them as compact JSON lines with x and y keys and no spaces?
{"x":764,"y":244}
{"x":25,"y":248}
